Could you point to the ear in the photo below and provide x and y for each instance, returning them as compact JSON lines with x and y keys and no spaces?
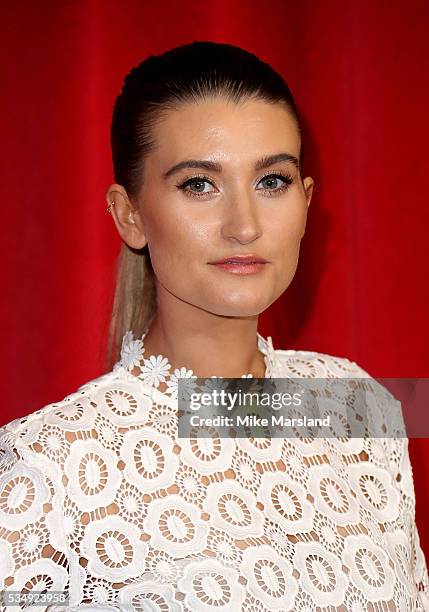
{"x":308,"y":188}
{"x":127,"y":218}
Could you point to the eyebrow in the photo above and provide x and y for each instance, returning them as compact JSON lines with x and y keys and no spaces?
{"x":207,"y":164}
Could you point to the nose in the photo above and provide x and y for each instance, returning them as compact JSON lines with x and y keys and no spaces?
{"x":241,"y":220}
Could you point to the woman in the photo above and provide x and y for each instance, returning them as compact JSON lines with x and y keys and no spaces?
{"x":99,"y":496}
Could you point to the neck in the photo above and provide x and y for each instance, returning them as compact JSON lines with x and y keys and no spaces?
{"x":208,"y":344}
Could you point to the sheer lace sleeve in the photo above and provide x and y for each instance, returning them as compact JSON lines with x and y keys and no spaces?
{"x":32,"y":541}
{"x":402,"y":473}
{"x":396,"y":451}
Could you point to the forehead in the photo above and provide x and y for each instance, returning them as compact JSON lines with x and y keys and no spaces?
{"x":226,"y":131}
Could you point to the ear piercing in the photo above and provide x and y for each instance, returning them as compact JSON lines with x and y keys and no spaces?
{"x":109,"y":210}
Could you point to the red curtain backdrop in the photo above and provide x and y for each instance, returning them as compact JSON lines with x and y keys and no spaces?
{"x":359,"y":72}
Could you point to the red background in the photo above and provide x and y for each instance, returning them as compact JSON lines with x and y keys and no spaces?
{"x":359,"y":72}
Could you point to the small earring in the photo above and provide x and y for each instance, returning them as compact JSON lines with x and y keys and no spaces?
{"x":109,"y":208}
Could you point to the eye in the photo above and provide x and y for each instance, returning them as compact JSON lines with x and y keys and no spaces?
{"x":201,"y":183}
{"x":198,"y":182}
{"x":272,"y":183}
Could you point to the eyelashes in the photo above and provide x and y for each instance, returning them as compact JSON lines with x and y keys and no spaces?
{"x":201,"y":179}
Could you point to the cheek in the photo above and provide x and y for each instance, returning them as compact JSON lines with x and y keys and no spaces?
{"x":289,"y":226}
{"x":285,"y":236}
{"x":175,"y":243}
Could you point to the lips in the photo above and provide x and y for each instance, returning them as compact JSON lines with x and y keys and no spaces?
{"x":243,"y":265}
{"x":237,"y":259}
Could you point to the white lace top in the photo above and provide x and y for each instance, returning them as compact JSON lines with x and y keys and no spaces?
{"x":99,"y":497}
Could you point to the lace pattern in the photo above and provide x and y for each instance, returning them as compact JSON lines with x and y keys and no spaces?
{"x":155,"y":369}
{"x":99,"y":497}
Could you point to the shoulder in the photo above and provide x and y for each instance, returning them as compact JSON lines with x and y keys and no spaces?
{"x":292,"y":362}
{"x":48,"y":433}
{"x":93,"y":416}
{"x":47,"y":448}
{"x":383,"y":411}
{"x":48,"y":476}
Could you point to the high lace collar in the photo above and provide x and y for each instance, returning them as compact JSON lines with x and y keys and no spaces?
{"x":156,"y":369}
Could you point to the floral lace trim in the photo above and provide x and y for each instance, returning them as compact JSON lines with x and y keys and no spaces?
{"x":157,"y":369}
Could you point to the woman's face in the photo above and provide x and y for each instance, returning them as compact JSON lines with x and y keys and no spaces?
{"x":191,"y":216}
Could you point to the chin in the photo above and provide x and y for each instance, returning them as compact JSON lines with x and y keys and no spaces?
{"x":243,"y":308}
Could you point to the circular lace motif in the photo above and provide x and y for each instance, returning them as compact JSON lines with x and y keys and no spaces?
{"x":150,"y":462}
{"x":331,"y":496}
{"x":113,"y":548}
{"x":74,"y":416}
{"x":294,"y":463}
{"x":163,"y":418}
{"x":245,"y":470}
{"x":123,"y":403}
{"x":175,"y":526}
{"x":108,"y":433}
{"x":376,"y":452}
{"x":92,"y":473}
{"x":321,"y":574}
{"x":298,"y":367}
{"x":233,"y":509}
{"x":42,"y":575}
{"x":400,"y":549}
{"x":269,"y":577}
{"x":210,"y":586}
{"x":32,"y":540}
{"x":355,"y":601}
{"x":162,"y":566}
{"x":23,"y":492}
{"x":337,"y":459}
{"x":191,"y":486}
{"x":374,"y":491}
{"x":278,"y":540}
{"x":207,"y":454}
{"x":224,"y":547}
{"x":100,"y":592}
{"x":327,"y":533}
{"x":285,"y":502}
{"x":369,"y":568}
{"x":54,"y":443}
{"x":149,"y":596}
{"x":130,"y":501}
